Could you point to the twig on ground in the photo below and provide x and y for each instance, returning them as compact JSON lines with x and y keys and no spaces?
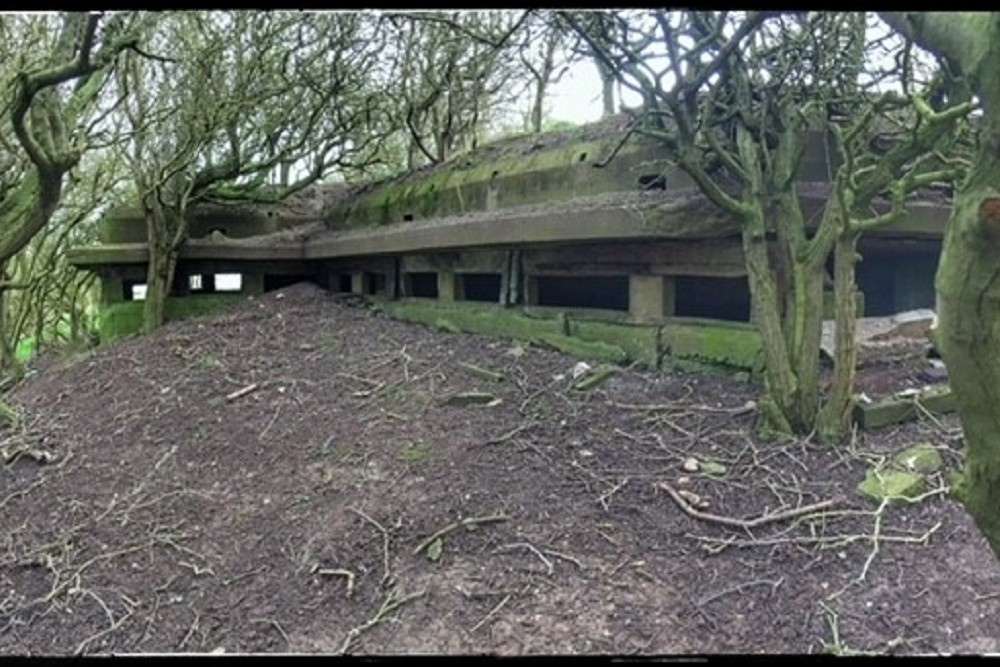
{"x":464,"y":523}
{"x":532,"y":549}
{"x":746,"y":524}
{"x":387,"y":574}
{"x":490,"y":615}
{"x":736,"y":589}
{"x":240,"y":393}
{"x":277,"y":626}
{"x":338,"y":572}
{"x":876,"y":533}
{"x":510,"y":434}
{"x":391,"y":604}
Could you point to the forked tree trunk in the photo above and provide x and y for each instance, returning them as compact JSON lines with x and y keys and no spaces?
{"x":790,"y":334}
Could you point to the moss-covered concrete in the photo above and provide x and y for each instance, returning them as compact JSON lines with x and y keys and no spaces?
{"x":897,"y":410}
{"x":538,"y":177}
{"x":731,"y":343}
{"x":125,"y":318}
{"x":640,"y":342}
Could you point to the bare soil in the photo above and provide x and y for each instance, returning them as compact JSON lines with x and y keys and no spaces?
{"x":148,"y":512}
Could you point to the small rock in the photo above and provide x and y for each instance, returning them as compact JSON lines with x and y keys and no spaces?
{"x":691,"y":464}
{"x":683,"y":480}
{"x":934,"y":374}
{"x":923,"y":458}
{"x":581,"y":369}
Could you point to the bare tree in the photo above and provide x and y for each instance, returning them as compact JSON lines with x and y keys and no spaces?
{"x":223,"y":101}
{"x":52,"y":74}
{"x":734,"y":99}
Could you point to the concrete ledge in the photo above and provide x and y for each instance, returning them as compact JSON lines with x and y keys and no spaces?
{"x":897,"y":410}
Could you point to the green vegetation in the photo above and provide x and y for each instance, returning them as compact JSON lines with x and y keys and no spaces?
{"x":125,"y":318}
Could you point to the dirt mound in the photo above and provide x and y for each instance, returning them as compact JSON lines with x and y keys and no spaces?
{"x":303,"y":474}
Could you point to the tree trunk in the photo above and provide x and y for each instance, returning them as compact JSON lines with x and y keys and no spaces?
{"x":160,"y":269}
{"x":790,"y":340}
{"x":835,"y":419}
{"x":968,"y":333}
{"x":607,"y":88}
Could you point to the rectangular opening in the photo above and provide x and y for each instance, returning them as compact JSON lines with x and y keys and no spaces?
{"x":712,"y":298}
{"x":480,"y":287}
{"x":423,"y":284}
{"x":343,"y":282}
{"x":276,"y":282}
{"x":604,"y":292}
{"x":194,"y":282}
{"x":374,"y":283}
{"x":228,"y":282}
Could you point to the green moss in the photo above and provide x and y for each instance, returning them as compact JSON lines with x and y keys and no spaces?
{"x":640,"y":342}
{"x":597,"y":378}
{"x":891,"y":484}
{"x":537,"y":177}
{"x":898,"y":410}
{"x":481,"y":319}
{"x":584,"y":349}
{"x":495,"y":320}
{"x":125,"y":318}
{"x":922,"y":458}
{"x":732,"y":344}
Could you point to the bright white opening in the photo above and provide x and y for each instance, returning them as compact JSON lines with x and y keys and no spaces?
{"x":194,"y":282}
{"x":139,"y":292}
{"x":228,"y":282}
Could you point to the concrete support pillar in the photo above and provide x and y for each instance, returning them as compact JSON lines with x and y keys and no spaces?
{"x":112,"y":289}
{"x":447,"y":285}
{"x":650,"y":297}
{"x":252,"y":283}
{"x":530,"y":290}
{"x":358,"y":282}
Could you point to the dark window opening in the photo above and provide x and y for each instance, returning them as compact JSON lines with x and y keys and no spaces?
{"x":480,"y":286}
{"x":712,"y":298}
{"x":343,"y":282}
{"x":607,"y":292}
{"x":408,"y":217}
{"x":374,"y":283}
{"x":423,"y":284}
{"x":894,"y":282}
{"x":276,"y":282}
{"x":652,"y":182}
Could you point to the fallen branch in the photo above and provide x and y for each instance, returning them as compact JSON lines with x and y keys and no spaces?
{"x":747,"y":524}
{"x":390,"y":605}
{"x":464,"y":523}
{"x":240,"y":393}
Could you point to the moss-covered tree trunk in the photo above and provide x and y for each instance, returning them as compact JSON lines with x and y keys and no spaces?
{"x":968,"y":278}
{"x":788,"y":313}
{"x":968,"y":335}
{"x":161,"y":228}
{"x":835,"y":418}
